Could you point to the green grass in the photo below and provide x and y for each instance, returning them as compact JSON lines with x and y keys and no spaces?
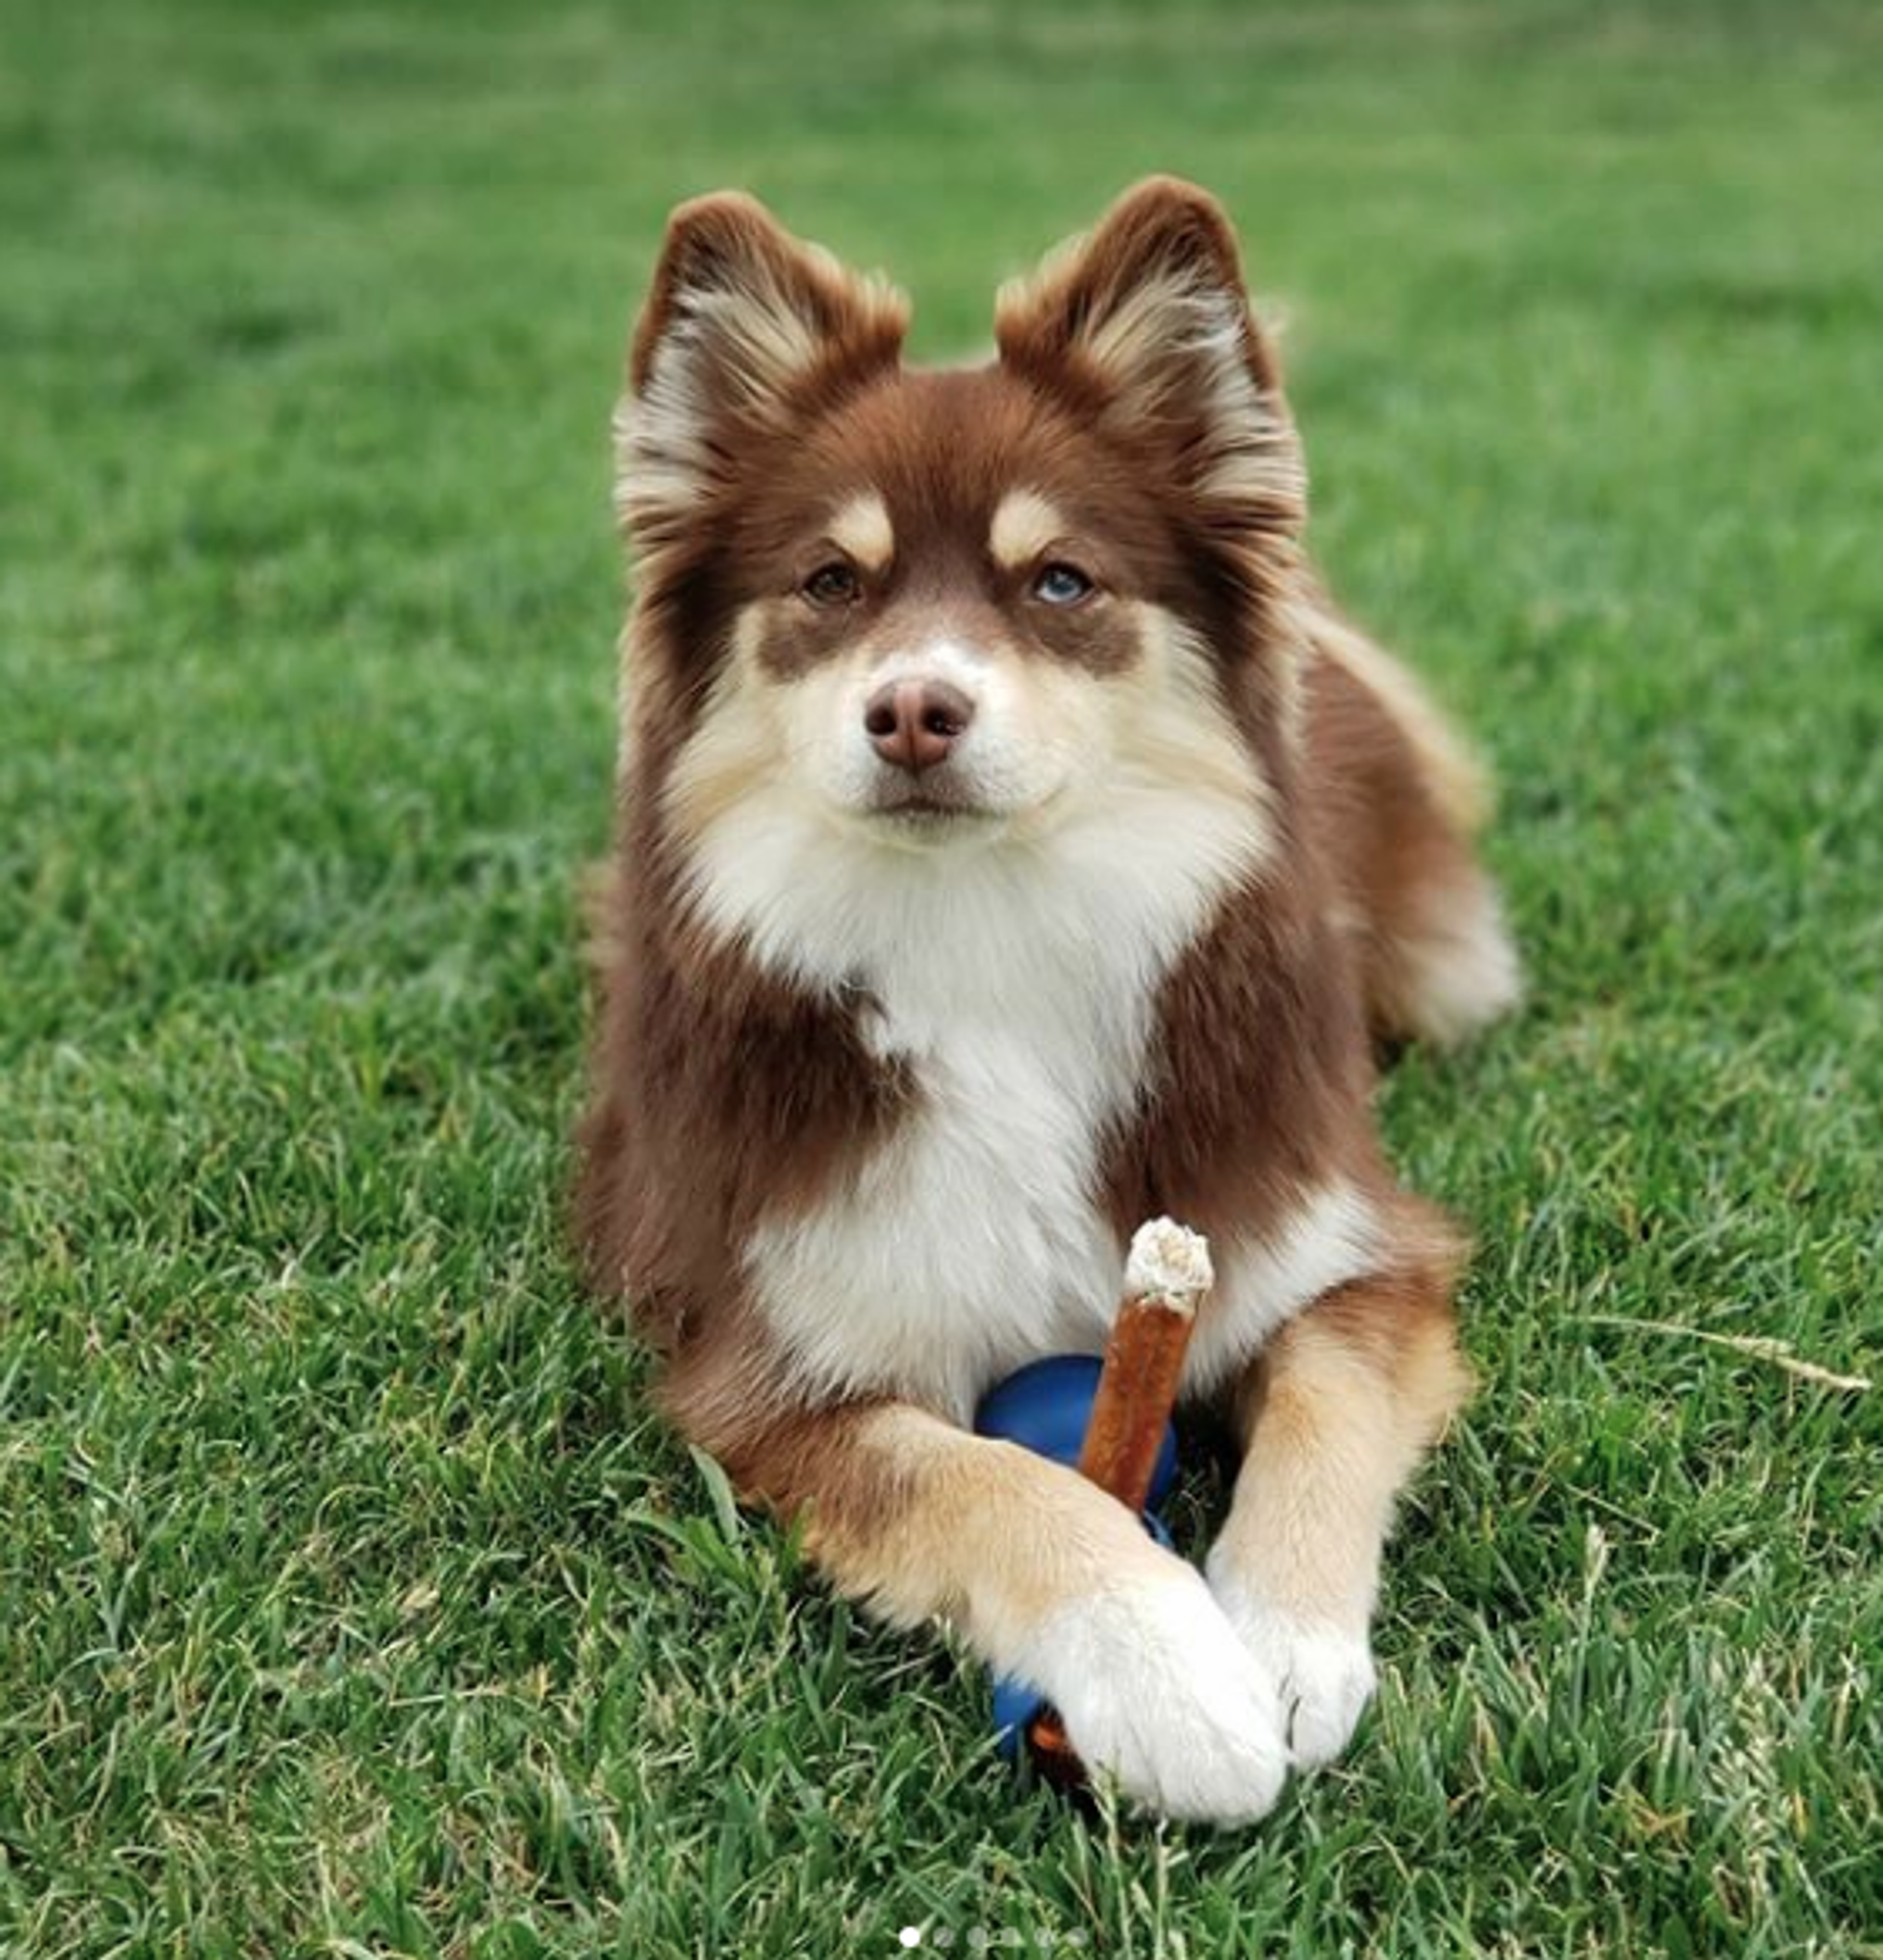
{"x":350,"y":1603}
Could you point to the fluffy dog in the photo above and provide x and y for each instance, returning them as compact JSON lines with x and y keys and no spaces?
{"x":1014,"y":845}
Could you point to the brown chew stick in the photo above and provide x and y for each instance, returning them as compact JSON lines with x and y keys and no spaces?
{"x":1166,"y":1278}
{"x":1137,"y":1390}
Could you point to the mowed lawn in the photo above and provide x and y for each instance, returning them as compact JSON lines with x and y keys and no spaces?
{"x":350,"y":1602}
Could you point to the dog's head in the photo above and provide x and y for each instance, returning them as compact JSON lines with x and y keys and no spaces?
{"x":941,"y":607}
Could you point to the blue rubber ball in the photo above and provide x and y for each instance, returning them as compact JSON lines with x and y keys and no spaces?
{"x":1046,"y":1405}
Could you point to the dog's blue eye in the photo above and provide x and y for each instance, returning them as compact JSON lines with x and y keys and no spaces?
{"x":1062,"y":585}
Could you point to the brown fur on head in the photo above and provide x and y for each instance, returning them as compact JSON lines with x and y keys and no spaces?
{"x":1131,"y":429}
{"x":1144,"y":325}
{"x":1141,"y":331}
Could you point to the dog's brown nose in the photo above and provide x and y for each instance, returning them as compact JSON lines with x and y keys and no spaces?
{"x":914,"y":724}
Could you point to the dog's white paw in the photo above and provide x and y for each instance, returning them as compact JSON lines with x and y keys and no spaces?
{"x":1154,"y":1686}
{"x":1324,"y":1675}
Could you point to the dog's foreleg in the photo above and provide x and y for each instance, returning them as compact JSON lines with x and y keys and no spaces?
{"x":1337,"y":1412}
{"x":1049,"y":1579}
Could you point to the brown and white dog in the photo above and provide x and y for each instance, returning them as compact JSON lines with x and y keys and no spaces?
{"x":1015,"y":845}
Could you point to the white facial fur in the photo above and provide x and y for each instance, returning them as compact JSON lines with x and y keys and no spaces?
{"x":862,"y":531}
{"x":1025,"y":526}
{"x":1035,"y":731}
{"x":1048,"y":739}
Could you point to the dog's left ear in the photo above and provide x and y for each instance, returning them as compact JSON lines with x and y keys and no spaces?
{"x":1145,"y":325}
{"x":747,"y":333}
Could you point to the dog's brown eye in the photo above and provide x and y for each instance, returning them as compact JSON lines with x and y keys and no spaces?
{"x":1059,"y":584}
{"x":832,"y":584}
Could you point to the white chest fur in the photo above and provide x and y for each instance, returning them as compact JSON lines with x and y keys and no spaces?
{"x":971,"y":1242}
{"x":1019,"y":980}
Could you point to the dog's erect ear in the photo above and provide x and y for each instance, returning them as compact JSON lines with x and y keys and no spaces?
{"x":745,"y":329}
{"x":1145,"y":324}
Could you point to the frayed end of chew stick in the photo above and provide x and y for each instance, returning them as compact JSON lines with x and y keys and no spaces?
{"x":1169,"y":1264}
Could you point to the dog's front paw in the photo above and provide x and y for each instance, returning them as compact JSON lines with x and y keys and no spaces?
{"x":1323,"y":1674}
{"x":1154,"y":1686}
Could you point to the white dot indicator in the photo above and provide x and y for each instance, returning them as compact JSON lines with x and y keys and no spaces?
{"x":911,"y":1936}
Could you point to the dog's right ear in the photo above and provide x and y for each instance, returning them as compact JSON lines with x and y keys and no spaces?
{"x":746,"y":330}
